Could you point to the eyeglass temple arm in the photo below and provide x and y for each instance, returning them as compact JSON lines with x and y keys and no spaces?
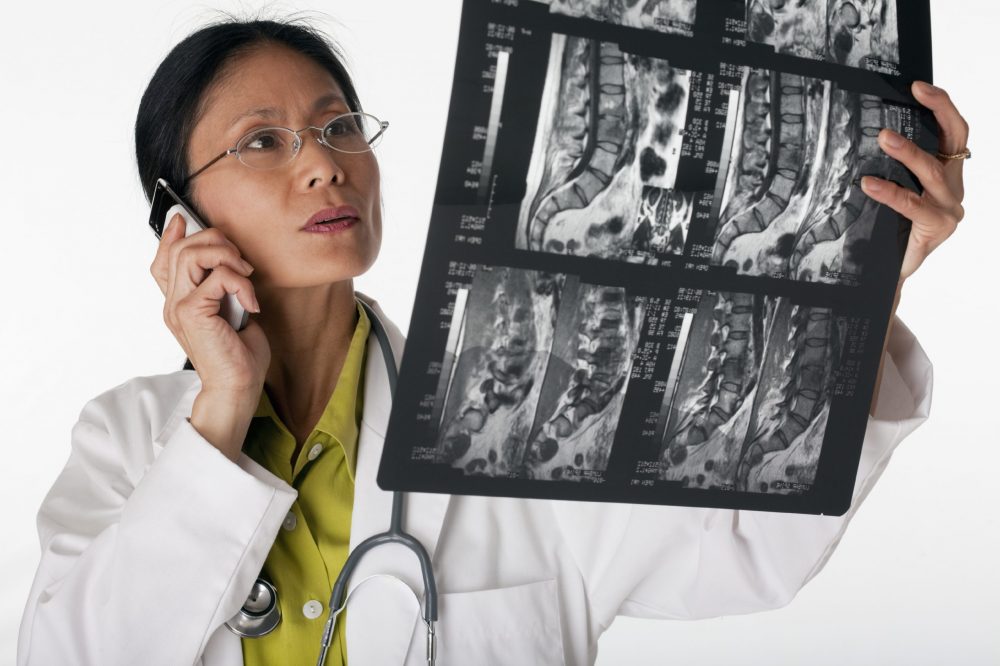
{"x":217,"y":158}
{"x":384,"y":125}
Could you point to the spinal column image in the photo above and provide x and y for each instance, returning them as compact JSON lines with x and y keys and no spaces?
{"x":747,"y":402}
{"x":502,"y":332}
{"x":535,"y":375}
{"x":858,"y":33}
{"x":671,"y":16}
{"x":578,"y":410}
{"x":791,"y":207}
{"x":607,"y":146}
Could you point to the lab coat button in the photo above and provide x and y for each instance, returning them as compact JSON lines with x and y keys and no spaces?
{"x":315,"y":451}
{"x":290,"y":522}
{"x":313,"y":609}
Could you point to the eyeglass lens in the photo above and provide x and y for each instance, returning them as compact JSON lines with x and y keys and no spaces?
{"x":274,"y":146}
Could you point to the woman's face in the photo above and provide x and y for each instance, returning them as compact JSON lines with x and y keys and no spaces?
{"x":264,"y":211}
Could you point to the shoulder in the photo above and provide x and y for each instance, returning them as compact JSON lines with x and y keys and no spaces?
{"x":149,"y":396}
{"x":126,"y":420}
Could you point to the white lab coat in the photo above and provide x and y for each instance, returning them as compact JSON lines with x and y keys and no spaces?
{"x":151,"y":539}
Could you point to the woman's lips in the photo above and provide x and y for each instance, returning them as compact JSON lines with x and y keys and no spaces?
{"x":330,"y":216}
{"x":331,"y":227}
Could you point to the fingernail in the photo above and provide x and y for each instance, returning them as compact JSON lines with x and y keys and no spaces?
{"x":871,"y":184}
{"x":247,"y":267}
{"x":891,"y":139}
{"x":927,"y":88}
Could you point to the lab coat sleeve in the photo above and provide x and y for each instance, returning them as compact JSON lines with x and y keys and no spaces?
{"x":688,"y":563}
{"x":144,"y":557}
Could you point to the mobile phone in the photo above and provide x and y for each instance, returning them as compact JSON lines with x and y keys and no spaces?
{"x":166,"y":204}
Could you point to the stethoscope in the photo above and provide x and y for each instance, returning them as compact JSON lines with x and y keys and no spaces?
{"x":260,"y":614}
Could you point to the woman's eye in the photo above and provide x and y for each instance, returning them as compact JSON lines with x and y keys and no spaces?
{"x":341,"y":128}
{"x":263,"y":141}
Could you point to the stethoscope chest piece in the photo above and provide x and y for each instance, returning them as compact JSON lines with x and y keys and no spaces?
{"x":260,"y":613}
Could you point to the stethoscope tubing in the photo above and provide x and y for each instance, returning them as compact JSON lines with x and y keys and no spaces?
{"x":395,"y":534}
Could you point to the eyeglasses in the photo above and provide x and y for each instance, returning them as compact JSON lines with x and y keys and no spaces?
{"x":272,"y":147}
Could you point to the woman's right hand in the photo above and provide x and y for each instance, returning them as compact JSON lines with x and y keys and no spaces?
{"x":195,"y":273}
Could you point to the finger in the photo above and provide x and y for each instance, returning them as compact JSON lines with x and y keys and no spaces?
{"x":194,"y":262}
{"x":207,"y":296}
{"x":204,"y":302}
{"x":196,"y":259}
{"x":159,"y":267}
{"x":206,"y":238}
{"x":909,"y":204}
{"x":931,"y":224}
{"x":210,"y":236}
{"x":927,"y":168}
{"x":954,"y":129}
{"x":904,"y":201}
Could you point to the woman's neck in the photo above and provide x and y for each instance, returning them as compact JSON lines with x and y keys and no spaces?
{"x":309,"y":331}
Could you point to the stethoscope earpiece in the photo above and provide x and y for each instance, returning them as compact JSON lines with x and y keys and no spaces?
{"x":260,"y":613}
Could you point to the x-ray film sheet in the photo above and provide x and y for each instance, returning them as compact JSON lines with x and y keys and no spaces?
{"x":651,"y":274}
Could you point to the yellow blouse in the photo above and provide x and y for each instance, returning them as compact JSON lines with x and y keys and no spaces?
{"x":311,"y":546}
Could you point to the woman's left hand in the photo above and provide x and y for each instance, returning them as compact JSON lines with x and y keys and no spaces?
{"x":935,"y":213}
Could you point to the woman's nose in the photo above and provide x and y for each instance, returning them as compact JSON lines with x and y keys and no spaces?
{"x":317,"y":162}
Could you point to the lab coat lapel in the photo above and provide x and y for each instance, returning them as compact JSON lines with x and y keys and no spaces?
{"x":382,"y":614}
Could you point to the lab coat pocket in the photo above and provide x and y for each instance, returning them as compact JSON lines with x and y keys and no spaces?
{"x":507,"y":625}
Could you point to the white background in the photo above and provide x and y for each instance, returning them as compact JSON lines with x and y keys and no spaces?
{"x":915,"y":580}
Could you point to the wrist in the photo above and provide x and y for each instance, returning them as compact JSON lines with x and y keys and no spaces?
{"x":223,"y":419}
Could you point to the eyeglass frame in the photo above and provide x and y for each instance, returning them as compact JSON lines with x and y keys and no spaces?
{"x":383,"y":126}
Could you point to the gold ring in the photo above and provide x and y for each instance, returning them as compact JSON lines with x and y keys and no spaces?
{"x":965,"y":154}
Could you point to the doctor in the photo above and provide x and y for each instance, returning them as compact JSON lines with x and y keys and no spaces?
{"x":182,"y":488}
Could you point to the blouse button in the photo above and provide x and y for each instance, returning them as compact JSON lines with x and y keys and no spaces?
{"x":312,"y":609}
{"x":315,"y":451}
{"x":290,"y":522}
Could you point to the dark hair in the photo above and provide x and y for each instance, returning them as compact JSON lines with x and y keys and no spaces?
{"x":173,"y":100}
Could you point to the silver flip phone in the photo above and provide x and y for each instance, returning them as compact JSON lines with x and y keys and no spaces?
{"x":166,"y":204}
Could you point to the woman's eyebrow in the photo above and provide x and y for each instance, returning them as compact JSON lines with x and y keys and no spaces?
{"x":271,"y":112}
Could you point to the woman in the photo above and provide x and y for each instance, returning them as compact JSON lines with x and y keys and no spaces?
{"x":182,"y":488}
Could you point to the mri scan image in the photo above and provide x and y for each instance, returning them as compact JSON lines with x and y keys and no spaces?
{"x":670,"y":16}
{"x":535,"y":380}
{"x":793,"y":205}
{"x":748,"y":407}
{"x":857,"y":33}
{"x":602,"y":175}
